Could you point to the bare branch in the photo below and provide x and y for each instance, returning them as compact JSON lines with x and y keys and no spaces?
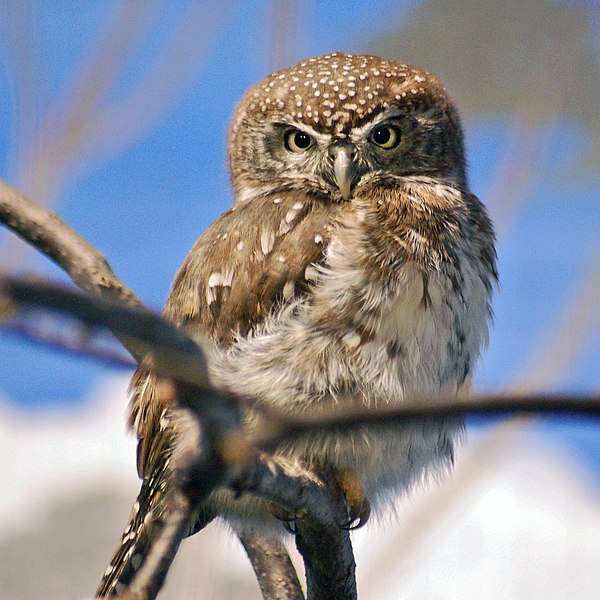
{"x":321,"y":537}
{"x":176,"y":355}
{"x":80,"y":344}
{"x":327,"y":553}
{"x":272,"y":566}
{"x":173,"y":353}
{"x":283,"y":427}
{"x":51,"y":236}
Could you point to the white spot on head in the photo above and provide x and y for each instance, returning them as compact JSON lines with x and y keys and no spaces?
{"x":240,"y":246}
{"x":318,"y":239}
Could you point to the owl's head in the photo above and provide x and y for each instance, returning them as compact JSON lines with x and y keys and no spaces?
{"x":331,"y":123}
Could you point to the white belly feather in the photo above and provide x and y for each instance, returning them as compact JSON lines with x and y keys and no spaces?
{"x":419,"y":349}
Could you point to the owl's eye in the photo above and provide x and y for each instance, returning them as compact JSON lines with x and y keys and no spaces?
{"x":386,"y":136}
{"x":297,"y":141}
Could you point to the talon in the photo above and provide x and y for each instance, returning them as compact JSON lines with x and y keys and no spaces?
{"x":287,"y":518}
{"x":359,"y":507}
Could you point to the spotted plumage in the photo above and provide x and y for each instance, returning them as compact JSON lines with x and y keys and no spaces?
{"x":354,"y":268}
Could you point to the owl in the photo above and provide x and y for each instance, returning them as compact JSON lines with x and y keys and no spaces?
{"x":354,"y":269}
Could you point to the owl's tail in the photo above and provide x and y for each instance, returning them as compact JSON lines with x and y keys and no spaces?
{"x":145,"y":523}
{"x":142,"y":528}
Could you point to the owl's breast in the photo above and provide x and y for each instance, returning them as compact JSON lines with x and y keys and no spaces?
{"x":403,"y":325}
{"x":366,"y":336}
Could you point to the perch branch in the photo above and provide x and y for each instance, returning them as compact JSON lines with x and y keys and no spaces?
{"x":272,"y":566}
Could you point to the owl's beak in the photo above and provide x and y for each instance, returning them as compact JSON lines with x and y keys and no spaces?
{"x":344,"y":168}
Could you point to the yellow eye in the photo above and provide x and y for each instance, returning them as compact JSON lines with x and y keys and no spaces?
{"x":297,"y":141}
{"x":386,"y":136}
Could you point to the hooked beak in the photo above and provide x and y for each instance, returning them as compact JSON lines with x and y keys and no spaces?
{"x":344,"y":169}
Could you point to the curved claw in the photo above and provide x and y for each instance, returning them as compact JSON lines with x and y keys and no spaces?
{"x":358,"y":514}
{"x":359,"y":507}
{"x":288,"y":519}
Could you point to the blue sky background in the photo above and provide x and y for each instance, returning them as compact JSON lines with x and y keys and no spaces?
{"x":144,"y":206}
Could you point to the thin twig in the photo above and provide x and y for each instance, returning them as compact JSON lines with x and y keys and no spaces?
{"x":52,"y":237}
{"x":80,"y":346}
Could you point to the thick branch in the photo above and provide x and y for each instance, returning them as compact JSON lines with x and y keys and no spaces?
{"x":272,"y":566}
{"x":173,"y":352}
{"x":323,"y":542}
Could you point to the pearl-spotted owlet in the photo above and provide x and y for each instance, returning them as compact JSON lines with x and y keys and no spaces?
{"x":354,"y":268}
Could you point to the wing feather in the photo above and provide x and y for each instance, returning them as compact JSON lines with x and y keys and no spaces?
{"x":256,"y":258}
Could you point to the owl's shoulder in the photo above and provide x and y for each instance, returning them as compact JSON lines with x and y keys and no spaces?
{"x":258,"y":255}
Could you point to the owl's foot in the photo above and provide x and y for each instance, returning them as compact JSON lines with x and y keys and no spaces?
{"x":359,"y":507}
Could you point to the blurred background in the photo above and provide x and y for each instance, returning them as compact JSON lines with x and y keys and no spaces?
{"x":115,"y":115}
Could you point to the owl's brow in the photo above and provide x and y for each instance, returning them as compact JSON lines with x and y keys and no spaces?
{"x":322,"y":138}
{"x":390,"y":112}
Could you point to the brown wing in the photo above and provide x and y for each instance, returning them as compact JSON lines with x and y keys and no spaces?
{"x":255,"y":258}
